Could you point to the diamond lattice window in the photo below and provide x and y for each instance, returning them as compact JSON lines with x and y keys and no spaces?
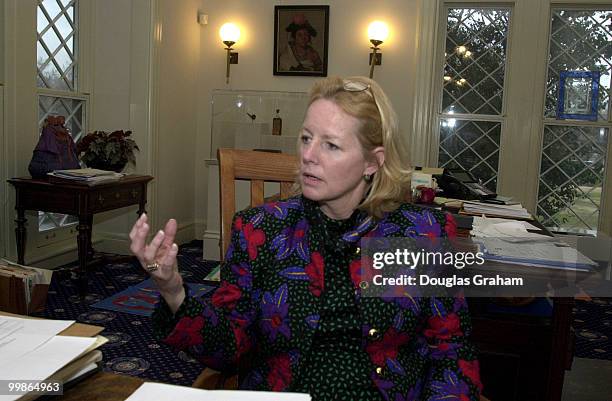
{"x":57,"y":67}
{"x":56,"y":58}
{"x":573,"y":161}
{"x":473,"y":146}
{"x":472,"y":92}
{"x":580,"y":41}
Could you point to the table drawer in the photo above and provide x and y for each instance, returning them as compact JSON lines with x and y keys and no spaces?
{"x":113,"y":198}
{"x":48,"y":200}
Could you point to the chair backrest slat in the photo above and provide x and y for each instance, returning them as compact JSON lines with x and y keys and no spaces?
{"x":257,"y":193}
{"x":254,"y":166}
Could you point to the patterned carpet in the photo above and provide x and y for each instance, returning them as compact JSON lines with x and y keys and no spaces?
{"x":593,"y":327}
{"x":132,"y":351}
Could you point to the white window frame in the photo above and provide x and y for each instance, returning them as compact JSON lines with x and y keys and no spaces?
{"x":523,"y":102}
{"x":85,"y":25}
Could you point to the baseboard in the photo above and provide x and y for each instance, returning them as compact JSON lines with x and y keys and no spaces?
{"x":211,"y":241}
{"x":120,"y":243}
{"x":65,"y":252}
{"x":53,"y":256}
{"x":200,"y":228}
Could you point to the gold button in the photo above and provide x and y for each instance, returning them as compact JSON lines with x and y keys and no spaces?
{"x":363,"y":285}
{"x":357,"y":251}
{"x":379,"y":371}
{"x":373,"y":333}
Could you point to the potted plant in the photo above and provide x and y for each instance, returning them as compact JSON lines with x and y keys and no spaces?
{"x":107,"y":151}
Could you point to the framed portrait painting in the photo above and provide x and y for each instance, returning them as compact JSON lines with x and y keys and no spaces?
{"x":301,"y":40}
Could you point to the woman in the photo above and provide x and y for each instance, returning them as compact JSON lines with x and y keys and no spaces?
{"x":289,"y":293}
{"x":299,"y":55}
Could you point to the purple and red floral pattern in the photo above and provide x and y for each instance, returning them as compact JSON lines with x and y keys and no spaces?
{"x":267,"y":309}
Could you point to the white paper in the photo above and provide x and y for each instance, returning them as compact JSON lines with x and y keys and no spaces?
{"x":167,"y":392}
{"x":19,"y":336}
{"x":509,"y":230}
{"x":42,"y":362}
{"x":552,"y":253}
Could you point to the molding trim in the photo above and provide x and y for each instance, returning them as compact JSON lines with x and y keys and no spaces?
{"x":200,"y":228}
{"x":211,"y":243}
{"x":55,"y":255}
{"x":153,"y":108}
{"x":420,"y":139}
{"x":120,"y":243}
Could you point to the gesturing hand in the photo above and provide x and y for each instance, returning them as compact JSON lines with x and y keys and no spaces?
{"x":158,"y":258}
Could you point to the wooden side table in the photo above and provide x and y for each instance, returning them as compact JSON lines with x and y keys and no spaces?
{"x":77,"y":199}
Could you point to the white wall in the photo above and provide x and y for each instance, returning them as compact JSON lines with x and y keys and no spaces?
{"x":164,"y":95}
{"x":3,"y":187}
{"x":348,"y":55}
{"x":2,"y":42}
{"x":118,"y":81}
{"x":177,"y":70}
{"x":20,"y":112}
{"x":120,"y":96}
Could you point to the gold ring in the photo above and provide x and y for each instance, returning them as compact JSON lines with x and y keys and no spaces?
{"x":152,"y":267}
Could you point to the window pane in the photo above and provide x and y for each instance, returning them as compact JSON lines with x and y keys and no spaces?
{"x":580,"y":40}
{"x":475,"y":59}
{"x":472,"y":146}
{"x":55,"y":52}
{"x":73,"y":111}
{"x":571,"y":176}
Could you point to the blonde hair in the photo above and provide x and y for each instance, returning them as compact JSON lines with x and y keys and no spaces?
{"x":365,"y":100}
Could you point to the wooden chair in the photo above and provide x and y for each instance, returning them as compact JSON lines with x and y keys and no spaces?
{"x":256,"y":167}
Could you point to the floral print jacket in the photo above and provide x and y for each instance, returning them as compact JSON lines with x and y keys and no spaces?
{"x":266,"y":308}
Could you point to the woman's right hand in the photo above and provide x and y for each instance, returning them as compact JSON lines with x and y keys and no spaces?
{"x":158,"y":258}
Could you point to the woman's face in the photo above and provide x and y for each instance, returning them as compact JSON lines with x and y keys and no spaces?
{"x":332,"y":161}
{"x":302,"y":38}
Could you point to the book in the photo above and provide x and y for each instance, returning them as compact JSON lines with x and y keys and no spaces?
{"x":87,"y":176}
{"x":83,"y":173}
{"x":516,"y":211}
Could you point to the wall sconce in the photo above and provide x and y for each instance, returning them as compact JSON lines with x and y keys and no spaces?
{"x":377,"y":33}
{"x":230,"y":34}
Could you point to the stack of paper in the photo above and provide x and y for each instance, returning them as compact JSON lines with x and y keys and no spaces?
{"x":509,"y":230}
{"x":163,"y":392}
{"x":549,"y":253}
{"x":512,"y":211}
{"x":30,"y":349}
{"x":91,"y":176}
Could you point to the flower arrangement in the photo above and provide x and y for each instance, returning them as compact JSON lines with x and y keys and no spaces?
{"x":107,"y":151}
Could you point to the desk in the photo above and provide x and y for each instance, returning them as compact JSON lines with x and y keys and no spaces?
{"x":77,"y":199}
{"x":522,"y":357}
{"x":103,"y":386}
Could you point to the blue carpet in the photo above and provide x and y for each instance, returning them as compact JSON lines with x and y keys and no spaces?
{"x":131,"y":349}
{"x":140,"y":299}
